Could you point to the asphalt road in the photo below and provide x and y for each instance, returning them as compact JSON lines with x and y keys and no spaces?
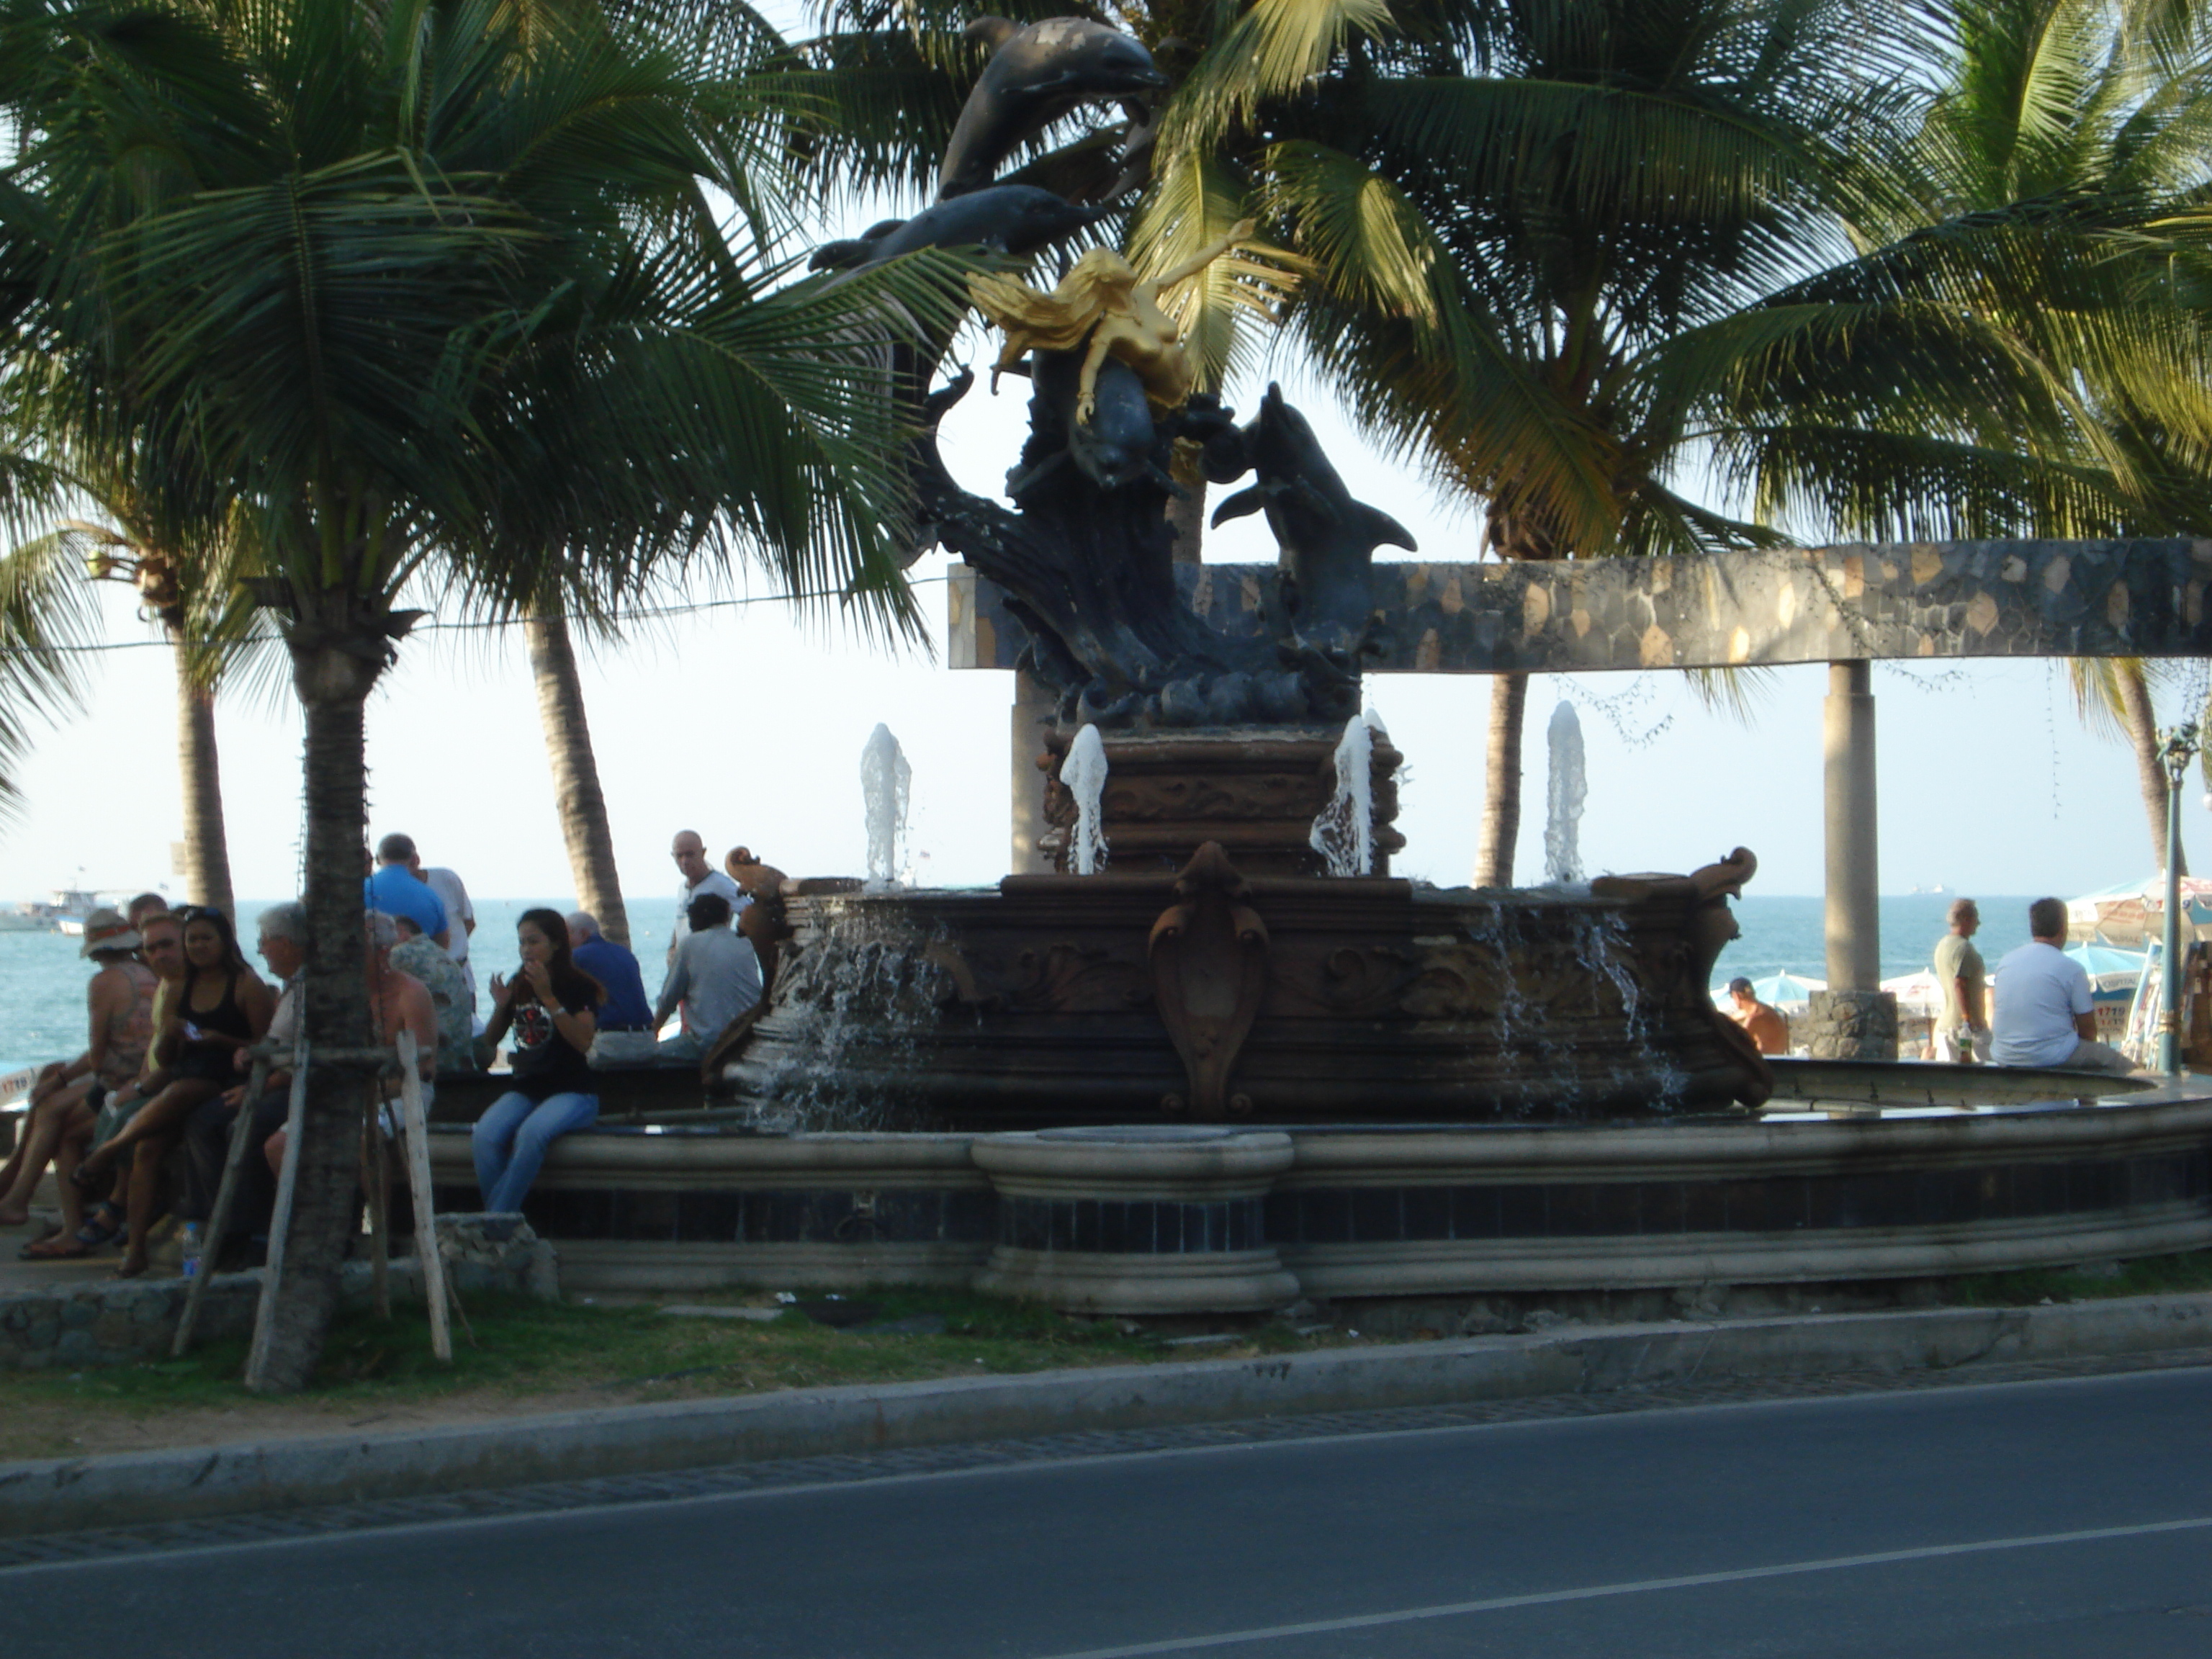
{"x":2026,"y":1521}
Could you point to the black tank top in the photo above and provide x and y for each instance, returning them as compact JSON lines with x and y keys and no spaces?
{"x":226,"y":1018}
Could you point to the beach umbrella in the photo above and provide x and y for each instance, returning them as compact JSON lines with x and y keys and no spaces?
{"x":1917,"y":994}
{"x":2132,"y":913}
{"x":2113,"y":972}
{"x":1779,"y":990}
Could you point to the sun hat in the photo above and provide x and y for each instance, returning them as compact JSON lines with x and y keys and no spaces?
{"x":105,"y":929}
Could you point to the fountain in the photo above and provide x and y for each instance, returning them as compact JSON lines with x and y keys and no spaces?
{"x":1245,"y":956}
{"x":1241,"y":1061}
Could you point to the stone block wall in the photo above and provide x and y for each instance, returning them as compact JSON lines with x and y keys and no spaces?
{"x":1849,"y":1025}
{"x":113,"y":1322}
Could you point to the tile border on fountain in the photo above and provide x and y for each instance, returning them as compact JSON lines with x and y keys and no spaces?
{"x":1161,"y":1219}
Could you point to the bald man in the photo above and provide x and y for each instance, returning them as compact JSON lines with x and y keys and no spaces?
{"x":700,"y":877}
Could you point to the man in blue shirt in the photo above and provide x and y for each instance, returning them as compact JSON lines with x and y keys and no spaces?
{"x":395,"y":891}
{"x":626,"y":1026}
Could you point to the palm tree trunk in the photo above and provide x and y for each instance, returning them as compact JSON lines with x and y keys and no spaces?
{"x":1501,"y":799}
{"x":296,"y":1314}
{"x":207,"y":849}
{"x":576,"y":794}
{"x":2141,"y":723}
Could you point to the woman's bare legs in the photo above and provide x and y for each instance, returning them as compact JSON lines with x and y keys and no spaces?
{"x":42,"y":1134}
{"x":153,"y":1134}
{"x":162,"y":1116}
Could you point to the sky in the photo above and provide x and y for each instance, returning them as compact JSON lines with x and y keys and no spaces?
{"x":747,"y":724}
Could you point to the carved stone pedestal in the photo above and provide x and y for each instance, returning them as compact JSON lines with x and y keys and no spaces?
{"x":1137,"y":1220}
{"x":1850,"y":1025}
{"x":1256,"y":793}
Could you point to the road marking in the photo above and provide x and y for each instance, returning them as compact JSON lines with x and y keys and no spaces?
{"x":1635,"y":1587}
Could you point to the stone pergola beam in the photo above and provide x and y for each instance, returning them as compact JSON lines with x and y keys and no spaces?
{"x":1910,"y":601}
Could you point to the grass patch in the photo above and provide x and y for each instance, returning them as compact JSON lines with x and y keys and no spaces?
{"x":2152,"y":1275}
{"x":532,"y":1355}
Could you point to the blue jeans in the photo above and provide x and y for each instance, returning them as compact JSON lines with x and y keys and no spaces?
{"x":511,"y":1138}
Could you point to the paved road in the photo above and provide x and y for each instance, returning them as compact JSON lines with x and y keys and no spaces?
{"x":2025,"y":1521}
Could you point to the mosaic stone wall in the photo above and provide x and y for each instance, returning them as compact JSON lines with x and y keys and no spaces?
{"x":1926,"y":599}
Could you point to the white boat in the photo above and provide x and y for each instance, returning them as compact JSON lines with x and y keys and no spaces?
{"x":62,"y":913}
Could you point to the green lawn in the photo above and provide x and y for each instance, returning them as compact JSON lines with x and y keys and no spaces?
{"x":531,"y":1355}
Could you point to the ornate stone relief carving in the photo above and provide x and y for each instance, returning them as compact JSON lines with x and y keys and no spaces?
{"x":1209,"y":952}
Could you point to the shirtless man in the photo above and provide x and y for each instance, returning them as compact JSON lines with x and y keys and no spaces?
{"x":1763,"y":1023}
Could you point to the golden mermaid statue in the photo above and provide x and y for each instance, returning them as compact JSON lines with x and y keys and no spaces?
{"x":1102,"y":297}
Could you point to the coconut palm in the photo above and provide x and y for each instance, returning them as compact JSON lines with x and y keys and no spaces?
{"x":2054,"y":195}
{"x":432,"y":306}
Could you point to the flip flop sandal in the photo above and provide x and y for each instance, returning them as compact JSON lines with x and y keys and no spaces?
{"x":53,"y":1248}
{"x":102,"y":1225}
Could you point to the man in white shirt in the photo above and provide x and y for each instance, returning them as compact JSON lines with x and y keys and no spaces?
{"x":460,"y":915}
{"x":2045,"y":1014}
{"x":689,"y":852}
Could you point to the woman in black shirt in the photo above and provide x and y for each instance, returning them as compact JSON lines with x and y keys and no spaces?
{"x":550,"y":1008}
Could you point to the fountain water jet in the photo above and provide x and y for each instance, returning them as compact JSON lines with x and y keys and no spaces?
{"x":886,"y":786}
{"x":1564,"y":789}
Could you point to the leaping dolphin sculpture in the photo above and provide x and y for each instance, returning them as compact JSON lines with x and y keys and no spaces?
{"x":1014,"y":219}
{"x":1327,"y":539}
{"x":1037,"y":75}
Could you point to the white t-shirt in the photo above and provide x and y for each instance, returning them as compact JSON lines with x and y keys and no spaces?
{"x":712,"y":881}
{"x":2039,"y":991}
{"x":459,"y":911}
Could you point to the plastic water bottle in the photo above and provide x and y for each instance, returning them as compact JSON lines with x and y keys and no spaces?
{"x":191,"y":1247}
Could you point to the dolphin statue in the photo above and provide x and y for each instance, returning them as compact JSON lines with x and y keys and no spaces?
{"x":1037,"y":75}
{"x":1013,"y":219}
{"x":1327,"y":539}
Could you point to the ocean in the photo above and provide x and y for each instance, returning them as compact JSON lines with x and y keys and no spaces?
{"x":42,"y":978}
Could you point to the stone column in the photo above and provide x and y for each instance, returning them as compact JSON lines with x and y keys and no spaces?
{"x":1853,"y":1019}
{"x":1034,"y":704}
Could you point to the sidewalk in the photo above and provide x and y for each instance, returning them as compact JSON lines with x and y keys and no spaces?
{"x":62,"y":1495}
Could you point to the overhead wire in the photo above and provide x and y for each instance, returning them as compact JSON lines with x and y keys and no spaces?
{"x":484,"y":624}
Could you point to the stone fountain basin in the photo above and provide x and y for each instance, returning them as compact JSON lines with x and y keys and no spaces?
{"x":1157,"y":1218}
{"x":1153,"y":998}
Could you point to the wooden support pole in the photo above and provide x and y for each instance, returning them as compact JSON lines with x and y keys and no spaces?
{"x":415,"y":1132}
{"x":241,"y":1137}
{"x":280,"y":1220}
{"x":377,"y":1193}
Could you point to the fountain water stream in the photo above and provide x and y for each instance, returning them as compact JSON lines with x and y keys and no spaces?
{"x":1084,"y":775}
{"x":886,"y":784}
{"x":1343,"y":833}
{"x":1563,"y":797}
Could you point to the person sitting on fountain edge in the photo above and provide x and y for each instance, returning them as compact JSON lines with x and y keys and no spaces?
{"x":1762,"y":1023}
{"x":715,"y":977}
{"x":2045,"y":1015}
{"x":626,"y":1031}
{"x":552,"y":1006}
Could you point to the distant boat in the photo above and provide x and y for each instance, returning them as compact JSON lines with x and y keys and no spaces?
{"x":63,"y":913}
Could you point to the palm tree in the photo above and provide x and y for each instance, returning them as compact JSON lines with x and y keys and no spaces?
{"x":430,"y":305}
{"x":2053,"y":198}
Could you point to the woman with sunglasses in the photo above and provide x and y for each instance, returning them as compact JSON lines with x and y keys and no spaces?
{"x":222,"y":1008}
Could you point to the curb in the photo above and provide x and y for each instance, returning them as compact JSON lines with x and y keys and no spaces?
{"x":67,"y":1494}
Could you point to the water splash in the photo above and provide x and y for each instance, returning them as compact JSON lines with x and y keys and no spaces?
{"x":1343,"y":833}
{"x":886,"y":784}
{"x":1563,"y":797}
{"x":856,"y":994}
{"x":1082,"y":775}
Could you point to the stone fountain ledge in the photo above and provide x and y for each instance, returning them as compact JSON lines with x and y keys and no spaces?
{"x":1164,"y":1218}
{"x":55,"y":1496}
